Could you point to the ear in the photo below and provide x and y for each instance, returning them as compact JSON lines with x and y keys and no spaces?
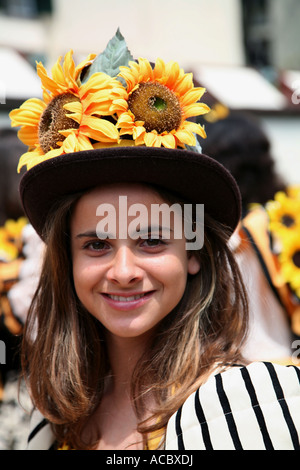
{"x":193,"y":264}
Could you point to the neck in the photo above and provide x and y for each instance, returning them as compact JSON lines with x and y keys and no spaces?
{"x":123,"y":355}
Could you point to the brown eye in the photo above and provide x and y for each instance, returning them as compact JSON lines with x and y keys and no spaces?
{"x":96,"y":246}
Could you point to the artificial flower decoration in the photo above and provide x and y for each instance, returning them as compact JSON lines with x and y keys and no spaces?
{"x":159,"y":102}
{"x":109,"y":100}
{"x":70,"y":115}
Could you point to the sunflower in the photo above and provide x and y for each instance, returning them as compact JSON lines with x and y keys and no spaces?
{"x":158,"y":103}
{"x":293,"y":191}
{"x":290,"y":261}
{"x":284,"y":213}
{"x":69,"y":118}
{"x":11,"y":239}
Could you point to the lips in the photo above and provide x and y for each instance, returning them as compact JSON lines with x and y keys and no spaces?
{"x":127,"y":302}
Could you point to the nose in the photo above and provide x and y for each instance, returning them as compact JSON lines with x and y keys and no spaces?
{"x":124,"y":269}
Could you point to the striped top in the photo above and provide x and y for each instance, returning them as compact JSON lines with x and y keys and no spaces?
{"x":251,"y":408}
{"x":244,"y":408}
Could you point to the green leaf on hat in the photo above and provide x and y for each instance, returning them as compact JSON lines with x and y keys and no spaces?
{"x":115,"y":54}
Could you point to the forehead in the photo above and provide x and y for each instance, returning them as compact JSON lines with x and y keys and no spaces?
{"x":135,"y":193}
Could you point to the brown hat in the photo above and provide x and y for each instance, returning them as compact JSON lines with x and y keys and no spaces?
{"x":193,"y":176}
{"x":100,"y":123}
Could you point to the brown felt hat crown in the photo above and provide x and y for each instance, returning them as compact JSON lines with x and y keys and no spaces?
{"x":194,"y":177}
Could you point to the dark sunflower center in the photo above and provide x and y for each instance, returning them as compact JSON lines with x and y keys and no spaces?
{"x":53,"y":120}
{"x":287,"y":220}
{"x":157,"y":106}
{"x":296,"y":258}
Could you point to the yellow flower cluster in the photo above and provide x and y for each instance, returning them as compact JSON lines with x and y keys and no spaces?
{"x":11,"y":239}
{"x":284,"y":216}
{"x":75,"y":115}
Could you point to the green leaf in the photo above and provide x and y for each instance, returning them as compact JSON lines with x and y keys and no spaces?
{"x":115,"y":54}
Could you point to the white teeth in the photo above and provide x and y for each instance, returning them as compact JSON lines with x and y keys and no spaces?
{"x":120,"y":298}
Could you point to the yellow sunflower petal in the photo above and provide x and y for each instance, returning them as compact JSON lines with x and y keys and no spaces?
{"x":30,"y":159}
{"x":159,"y":70}
{"x":74,"y":143}
{"x":118,"y":106}
{"x":191,"y":96}
{"x":194,"y":128}
{"x":84,"y":143}
{"x":196,"y":109}
{"x":28,"y":135}
{"x":125,"y":119}
{"x":58,"y":75}
{"x":174,"y":75}
{"x":168,"y":141}
{"x":28,"y":114}
{"x":185,"y":137}
{"x":99,"y":129}
{"x":96,"y":82}
{"x":138,"y":132}
{"x":69,"y":71}
{"x":48,"y":84}
{"x":184,"y":84}
{"x":75,"y":107}
{"x":150,"y":139}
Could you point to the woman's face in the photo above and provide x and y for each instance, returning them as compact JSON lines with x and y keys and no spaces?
{"x":129,"y":283}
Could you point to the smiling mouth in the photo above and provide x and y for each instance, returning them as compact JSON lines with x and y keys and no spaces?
{"x":122,"y":298}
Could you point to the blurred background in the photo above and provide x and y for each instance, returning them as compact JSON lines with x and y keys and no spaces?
{"x":246,"y":53}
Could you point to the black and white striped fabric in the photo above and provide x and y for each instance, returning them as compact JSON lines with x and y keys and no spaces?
{"x":244,"y":408}
{"x":251,"y":408}
{"x":40,"y":435}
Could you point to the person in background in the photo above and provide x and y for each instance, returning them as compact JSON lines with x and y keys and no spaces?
{"x":238,"y":141}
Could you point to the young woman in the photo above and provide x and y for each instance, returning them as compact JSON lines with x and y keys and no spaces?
{"x":132,"y":315}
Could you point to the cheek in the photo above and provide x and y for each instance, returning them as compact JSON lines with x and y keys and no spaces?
{"x":173,"y":274}
{"x":84,"y":276}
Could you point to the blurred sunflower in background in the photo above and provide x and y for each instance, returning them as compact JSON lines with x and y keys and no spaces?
{"x":11,"y":239}
{"x":290,"y":261}
{"x":158,"y":104}
{"x":284,"y":212}
{"x":284,"y":216}
{"x":70,"y":115}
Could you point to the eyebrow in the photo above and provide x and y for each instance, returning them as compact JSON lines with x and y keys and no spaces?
{"x":146,"y":231}
{"x":154,"y":229}
{"x":88,"y":234}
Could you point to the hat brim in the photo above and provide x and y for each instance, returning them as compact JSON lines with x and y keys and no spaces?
{"x":195,"y":177}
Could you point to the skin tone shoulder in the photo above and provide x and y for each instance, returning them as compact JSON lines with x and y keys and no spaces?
{"x":129,"y":285}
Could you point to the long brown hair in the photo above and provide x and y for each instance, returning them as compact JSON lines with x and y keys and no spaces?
{"x":63,"y":345}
